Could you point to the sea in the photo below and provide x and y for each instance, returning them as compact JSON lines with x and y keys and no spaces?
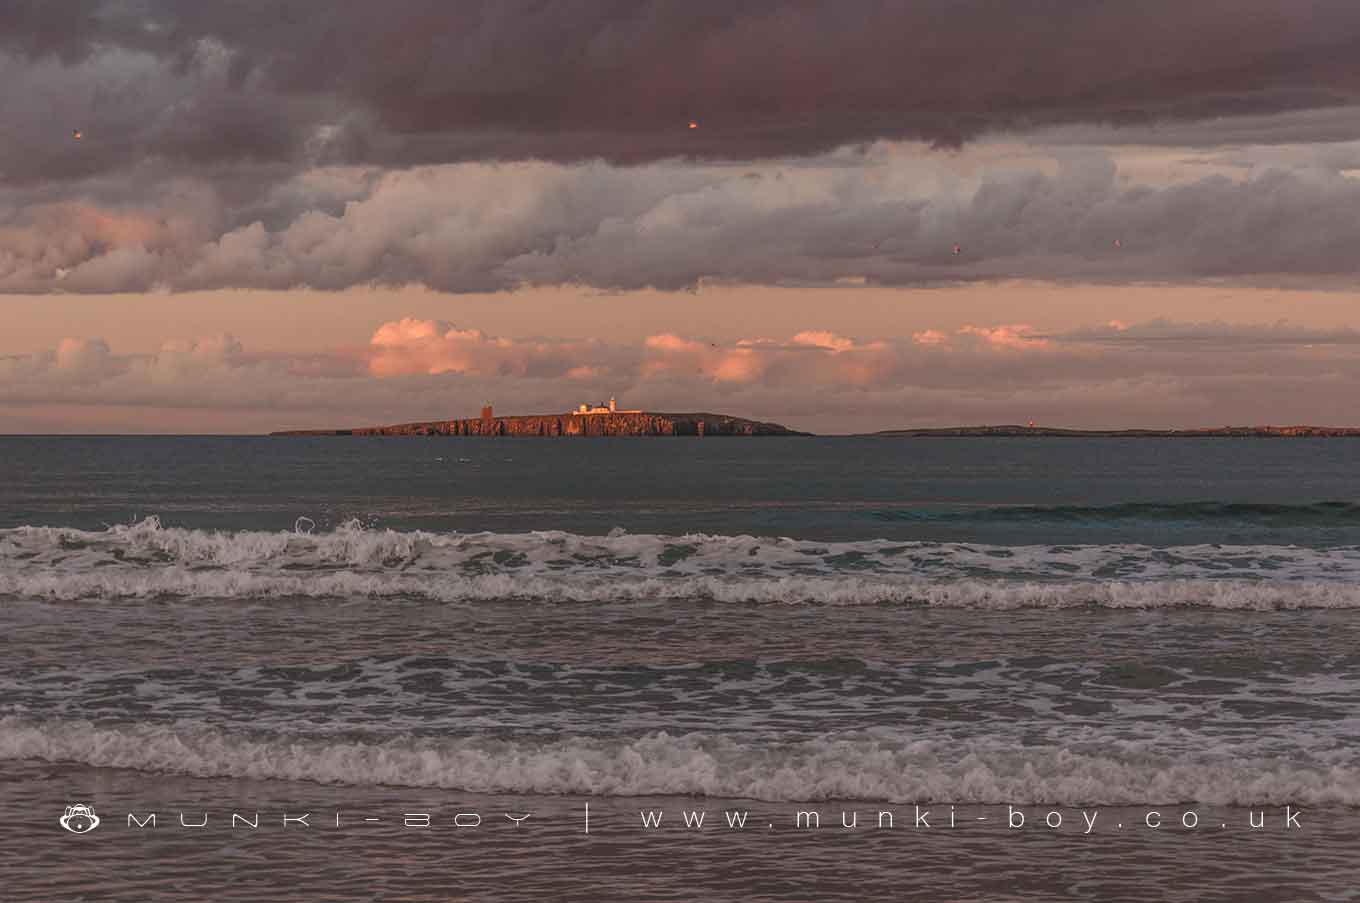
{"x":399,"y":669}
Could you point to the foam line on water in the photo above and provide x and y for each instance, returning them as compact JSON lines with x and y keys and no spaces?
{"x":148,"y":559}
{"x":884,"y":766}
{"x":963,"y":593}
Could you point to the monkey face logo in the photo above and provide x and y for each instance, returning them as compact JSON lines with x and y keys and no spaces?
{"x":79,"y":819}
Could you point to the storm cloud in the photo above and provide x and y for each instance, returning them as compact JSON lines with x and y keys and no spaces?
{"x":484,"y":146}
{"x":415,"y":82}
{"x":889,"y":215}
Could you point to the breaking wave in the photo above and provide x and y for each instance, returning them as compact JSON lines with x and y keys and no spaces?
{"x":149,"y":560}
{"x":874,"y":765}
{"x":966,"y":593}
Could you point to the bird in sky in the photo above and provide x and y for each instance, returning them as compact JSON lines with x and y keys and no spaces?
{"x":76,"y":134}
{"x":1118,"y":243}
{"x":694,"y":123}
{"x":958,"y":249}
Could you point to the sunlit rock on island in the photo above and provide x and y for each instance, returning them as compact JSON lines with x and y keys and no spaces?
{"x":585,"y":420}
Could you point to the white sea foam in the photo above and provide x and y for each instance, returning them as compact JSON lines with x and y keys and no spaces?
{"x":963,"y":593}
{"x":872,"y":766}
{"x":147,"y":559}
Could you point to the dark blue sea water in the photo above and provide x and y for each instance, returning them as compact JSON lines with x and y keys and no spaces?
{"x":381,"y":626}
{"x":1015,"y":491}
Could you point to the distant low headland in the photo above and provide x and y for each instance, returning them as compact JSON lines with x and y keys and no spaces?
{"x":1227,"y":432}
{"x":606,"y":423}
{"x":608,"y":419}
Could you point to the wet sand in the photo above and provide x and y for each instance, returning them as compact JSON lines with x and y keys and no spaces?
{"x":550,"y":856}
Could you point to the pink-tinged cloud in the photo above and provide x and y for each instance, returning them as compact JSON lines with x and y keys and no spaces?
{"x":930,"y":337}
{"x":669,"y":355}
{"x":808,"y":356}
{"x":410,"y":347}
{"x":83,"y":358}
{"x":1016,"y":336}
{"x":1151,"y":373}
{"x":823,"y":339}
{"x":407,"y":346}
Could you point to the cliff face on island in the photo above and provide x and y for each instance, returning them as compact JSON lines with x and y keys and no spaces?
{"x":618,"y":424}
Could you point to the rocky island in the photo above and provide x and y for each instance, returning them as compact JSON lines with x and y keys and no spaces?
{"x":597,"y":420}
{"x":607,"y":419}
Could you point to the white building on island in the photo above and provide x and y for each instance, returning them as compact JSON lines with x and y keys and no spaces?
{"x":602,"y":408}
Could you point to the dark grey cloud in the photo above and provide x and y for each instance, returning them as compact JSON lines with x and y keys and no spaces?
{"x":407,"y":82}
{"x":890,"y":216}
{"x":1319,"y":126}
{"x":39,"y":29}
{"x":472,"y":146}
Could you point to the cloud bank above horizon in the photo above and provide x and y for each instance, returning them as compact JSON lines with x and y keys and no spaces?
{"x":410,"y":82}
{"x":490,"y":146}
{"x":1190,"y":373}
{"x":619,"y":148}
{"x":891,"y":215}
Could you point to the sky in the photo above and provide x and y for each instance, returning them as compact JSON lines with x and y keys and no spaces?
{"x":248,"y":216}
